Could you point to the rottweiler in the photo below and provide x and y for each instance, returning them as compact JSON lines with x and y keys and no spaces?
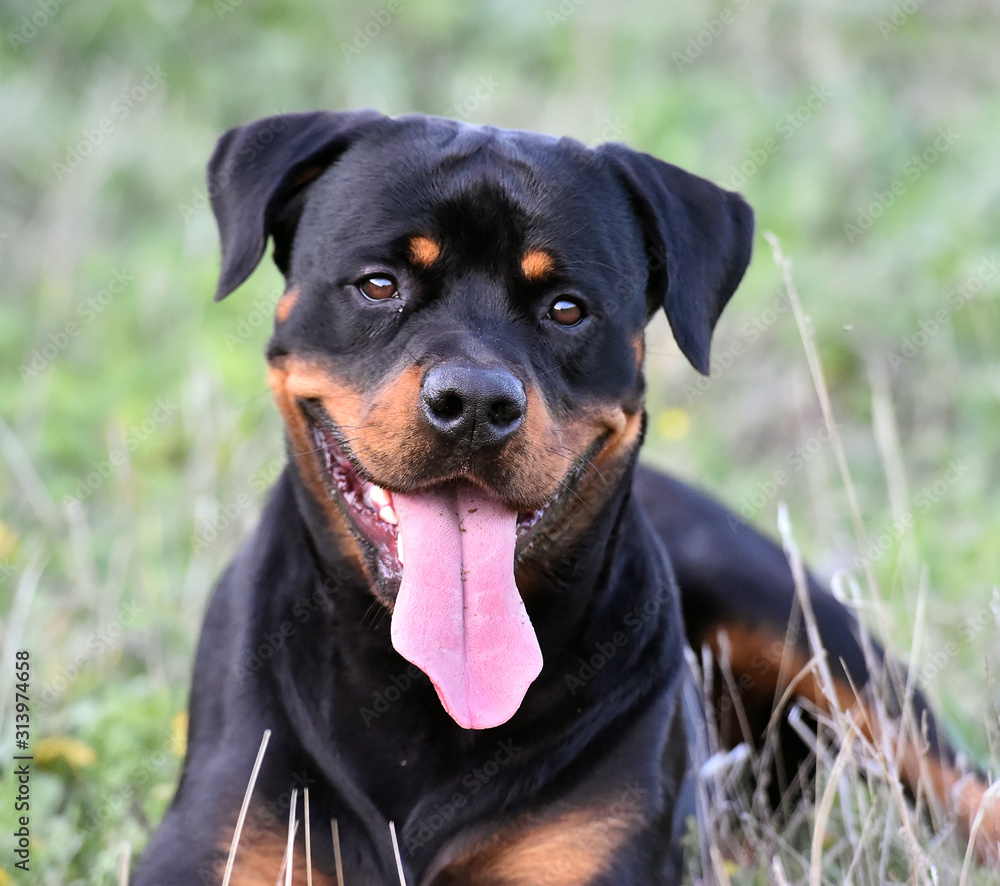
{"x":466,"y":607}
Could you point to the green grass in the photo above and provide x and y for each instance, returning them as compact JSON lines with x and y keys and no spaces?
{"x":154,"y":415}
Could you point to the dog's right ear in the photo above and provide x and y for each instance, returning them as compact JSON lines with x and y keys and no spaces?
{"x":257,"y":180}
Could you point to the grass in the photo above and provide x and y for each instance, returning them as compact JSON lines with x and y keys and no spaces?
{"x":137,"y":443}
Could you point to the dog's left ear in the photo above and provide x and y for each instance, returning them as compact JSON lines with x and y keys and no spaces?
{"x":257,"y":180}
{"x":698,"y":243}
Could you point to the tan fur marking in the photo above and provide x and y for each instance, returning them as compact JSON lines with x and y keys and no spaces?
{"x":285,"y":305}
{"x":258,"y":861}
{"x":759,"y":653}
{"x":570,"y":850}
{"x":639,"y":347}
{"x":307,"y":175}
{"x":290,"y":380}
{"x":536,"y":265}
{"x":424,"y":251}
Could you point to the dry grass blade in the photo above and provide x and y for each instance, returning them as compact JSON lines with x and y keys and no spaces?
{"x":395,"y":849}
{"x":23,"y":470}
{"x":719,"y":866}
{"x":125,"y":865}
{"x":309,"y":858}
{"x":16,"y":623}
{"x":823,"y":395}
{"x":778,"y":871}
{"x":802,"y":593}
{"x":337,"y":860}
{"x":243,"y":809}
{"x":286,"y":860}
{"x":824,"y":808}
{"x":293,"y":826}
{"x":970,"y":850}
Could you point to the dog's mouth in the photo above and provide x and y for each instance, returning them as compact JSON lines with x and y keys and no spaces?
{"x":444,"y":555}
{"x":370,"y":507}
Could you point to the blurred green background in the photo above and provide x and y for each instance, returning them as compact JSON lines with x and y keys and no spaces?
{"x":137,"y":436}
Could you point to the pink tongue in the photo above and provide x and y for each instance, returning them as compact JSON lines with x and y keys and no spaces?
{"x":459,"y":616}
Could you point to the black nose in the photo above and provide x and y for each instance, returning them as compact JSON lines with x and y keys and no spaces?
{"x":472,"y":404}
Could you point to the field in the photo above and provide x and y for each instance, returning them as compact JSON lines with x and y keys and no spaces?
{"x":137,"y":435}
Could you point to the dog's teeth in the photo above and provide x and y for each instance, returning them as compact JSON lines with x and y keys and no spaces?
{"x":378,"y":496}
{"x":382,"y":503}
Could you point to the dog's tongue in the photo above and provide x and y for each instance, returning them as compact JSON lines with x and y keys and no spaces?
{"x":459,"y":616}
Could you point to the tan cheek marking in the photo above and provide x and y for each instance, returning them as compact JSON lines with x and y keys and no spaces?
{"x":759,"y":654}
{"x":536,"y":265}
{"x":625,"y":429}
{"x":608,"y":465}
{"x":382,"y":428}
{"x":571,"y":850}
{"x":290,"y":380}
{"x":285,"y":305}
{"x":424,"y":251}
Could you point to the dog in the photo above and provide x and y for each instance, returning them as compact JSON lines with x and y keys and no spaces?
{"x":466,"y":607}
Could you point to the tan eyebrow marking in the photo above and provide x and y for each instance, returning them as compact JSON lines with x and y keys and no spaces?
{"x":536,"y":264}
{"x":424,"y":251}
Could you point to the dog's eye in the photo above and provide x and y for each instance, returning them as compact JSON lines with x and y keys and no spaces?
{"x":378,"y":287}
{"x":566,"y":312}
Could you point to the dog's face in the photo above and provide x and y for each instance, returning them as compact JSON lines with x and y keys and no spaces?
{"x":458,"y":357}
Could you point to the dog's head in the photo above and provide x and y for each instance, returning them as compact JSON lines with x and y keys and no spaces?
{"x":458,"y":356}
